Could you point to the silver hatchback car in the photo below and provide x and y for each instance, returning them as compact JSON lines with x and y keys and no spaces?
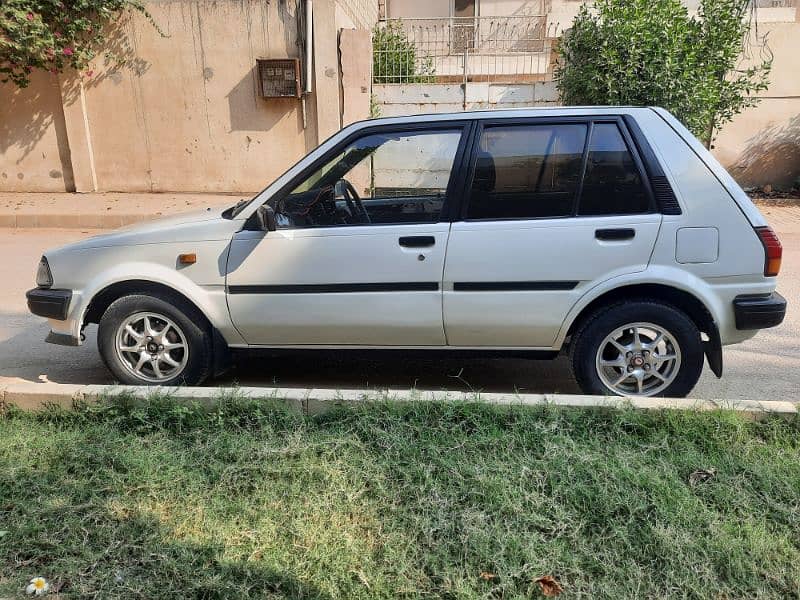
{"x":607,"y":232}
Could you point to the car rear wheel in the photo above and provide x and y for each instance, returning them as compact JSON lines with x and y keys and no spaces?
{"x":638,"y":348}
{"x":147,"y":340}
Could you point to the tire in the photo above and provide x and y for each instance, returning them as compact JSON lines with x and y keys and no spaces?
{"x":623,"y":360}
{"x":182,"y":344}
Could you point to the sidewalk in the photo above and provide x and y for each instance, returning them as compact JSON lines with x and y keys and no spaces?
{"x":99,"y":210}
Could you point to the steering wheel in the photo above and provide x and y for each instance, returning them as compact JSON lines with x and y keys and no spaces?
{"x":354,"y":203}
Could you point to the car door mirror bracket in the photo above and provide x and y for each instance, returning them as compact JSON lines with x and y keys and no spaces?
{"x":262,"y":220}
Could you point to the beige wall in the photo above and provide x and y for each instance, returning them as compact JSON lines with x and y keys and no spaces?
{"x":34,"y":153}
{"x":191,"y":117}
{"x":363,"y":14}
{"x":762,"y":145}
{"x":355,"y":55}
{"x":510,"y":8}
{"x":184,"y":114}
{"x":486,"y":8}
{"x":423,"y":9}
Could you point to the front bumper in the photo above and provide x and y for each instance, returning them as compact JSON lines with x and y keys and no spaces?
{"x":759,"y":311}
{"x":52,"y":304}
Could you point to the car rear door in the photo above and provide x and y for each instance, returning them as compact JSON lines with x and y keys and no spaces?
{"x":354,"y":270}
{"x":553,"y":207}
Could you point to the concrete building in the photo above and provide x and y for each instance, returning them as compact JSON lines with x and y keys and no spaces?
{"x":186,"y":112}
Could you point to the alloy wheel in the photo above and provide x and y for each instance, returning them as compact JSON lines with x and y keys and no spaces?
{"x":638,"y":359}
{"x":152,"y":347}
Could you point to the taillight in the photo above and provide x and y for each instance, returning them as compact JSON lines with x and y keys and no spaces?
{"x":773,"y":251}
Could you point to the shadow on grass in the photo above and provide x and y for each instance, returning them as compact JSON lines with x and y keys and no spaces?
{"x":146,"y":560}
{"x":96,"y":518}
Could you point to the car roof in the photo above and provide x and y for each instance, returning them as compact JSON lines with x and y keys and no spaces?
{"x":504,"y":113}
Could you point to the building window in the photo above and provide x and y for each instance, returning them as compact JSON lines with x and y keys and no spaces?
{"x":464,"y":8}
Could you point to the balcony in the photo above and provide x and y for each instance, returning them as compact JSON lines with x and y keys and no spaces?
{"x":471,"y":49}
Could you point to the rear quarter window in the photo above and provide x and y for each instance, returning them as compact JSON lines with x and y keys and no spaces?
{"x":612,"y":183}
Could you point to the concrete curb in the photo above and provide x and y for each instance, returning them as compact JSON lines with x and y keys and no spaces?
{"x":39,"y":396}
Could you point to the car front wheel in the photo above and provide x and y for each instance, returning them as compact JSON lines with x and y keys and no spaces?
{"x":638,"y":348}
{"x":147,"y":340}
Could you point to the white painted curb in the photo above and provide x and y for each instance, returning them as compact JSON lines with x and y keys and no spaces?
{"x":38,"y":396}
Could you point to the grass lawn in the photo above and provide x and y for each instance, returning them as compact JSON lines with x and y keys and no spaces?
{"x":384,"y":501}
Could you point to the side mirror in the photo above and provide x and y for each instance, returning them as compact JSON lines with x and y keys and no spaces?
{"x":265,"y":217}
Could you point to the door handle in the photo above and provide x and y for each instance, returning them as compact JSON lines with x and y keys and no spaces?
{"x":622,"y":233}
{"x":417,"y":241}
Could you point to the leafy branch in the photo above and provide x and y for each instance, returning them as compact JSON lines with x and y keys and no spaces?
{"x":55,"y":35}
{"x":652,"y":52}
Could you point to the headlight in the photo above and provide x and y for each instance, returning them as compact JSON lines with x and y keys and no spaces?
{"x":44,"y":278}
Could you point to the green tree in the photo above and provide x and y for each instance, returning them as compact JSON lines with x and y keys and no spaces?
{"x":394,"y":56}
{"x":653,"y":52}
{"x":55,"y":35}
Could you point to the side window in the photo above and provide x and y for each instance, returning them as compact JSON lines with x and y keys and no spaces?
{"x":612,"y":184}
{"x":379,"y":178}
{"x":527,"y":171}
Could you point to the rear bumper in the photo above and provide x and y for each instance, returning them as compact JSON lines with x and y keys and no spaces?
{"x":759,"y":311}
{"x":52,"y":304}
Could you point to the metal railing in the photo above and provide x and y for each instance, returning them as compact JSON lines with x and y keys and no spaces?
{"x":457,"y":49}
{"x":775,"y":3}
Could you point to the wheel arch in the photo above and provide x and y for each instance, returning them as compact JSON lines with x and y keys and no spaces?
{"x":685,"y":301}
{"x":106,"y":296}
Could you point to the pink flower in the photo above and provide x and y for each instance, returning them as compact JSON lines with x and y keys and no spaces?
{"x":89,"y":73}
{"x":68,"y":51}
{"x":30,"y":16}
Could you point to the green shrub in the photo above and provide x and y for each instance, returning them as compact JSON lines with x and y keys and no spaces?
{"x":394,"y":57}
{"x":652,"y":52}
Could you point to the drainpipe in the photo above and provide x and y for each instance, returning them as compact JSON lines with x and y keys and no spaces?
{"x":309,"y":44}
{"x":309,"y":50}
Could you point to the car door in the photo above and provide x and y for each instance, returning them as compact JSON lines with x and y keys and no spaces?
{"x":554,"y":207}
{"x":358,"y":254}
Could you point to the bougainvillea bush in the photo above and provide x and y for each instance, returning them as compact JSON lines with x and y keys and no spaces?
{"x":55,"y":35}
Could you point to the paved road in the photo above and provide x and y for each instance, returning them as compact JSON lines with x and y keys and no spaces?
{"x":766,"y":367}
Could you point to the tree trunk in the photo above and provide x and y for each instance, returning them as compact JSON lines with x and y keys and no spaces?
{"x":709,"y":133}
